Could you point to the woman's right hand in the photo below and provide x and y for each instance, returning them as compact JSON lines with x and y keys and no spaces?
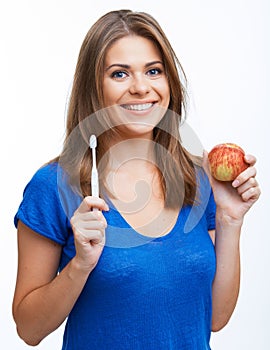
{"x":89,"y":232}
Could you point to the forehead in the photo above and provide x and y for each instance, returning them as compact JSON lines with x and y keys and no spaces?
{"x":131,"y":48}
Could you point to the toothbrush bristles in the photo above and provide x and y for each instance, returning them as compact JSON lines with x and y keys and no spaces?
{"x":93,"y":141}
{"x":93,"y":145}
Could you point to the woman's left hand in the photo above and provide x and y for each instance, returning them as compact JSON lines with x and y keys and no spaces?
{"x":235,"y":198}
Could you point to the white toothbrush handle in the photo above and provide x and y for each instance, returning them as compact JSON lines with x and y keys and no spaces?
{"x":94,"y":185}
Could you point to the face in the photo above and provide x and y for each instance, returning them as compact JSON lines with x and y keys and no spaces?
{"x":135,"y":84}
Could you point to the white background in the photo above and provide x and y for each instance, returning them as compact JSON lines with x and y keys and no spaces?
{"x":224,"y":49}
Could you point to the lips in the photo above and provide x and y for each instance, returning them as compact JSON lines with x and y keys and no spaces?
{"x":138,"y":106}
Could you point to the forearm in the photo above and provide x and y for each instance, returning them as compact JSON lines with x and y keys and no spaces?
{"x":45,"y":309}
{"x":227,"y":279}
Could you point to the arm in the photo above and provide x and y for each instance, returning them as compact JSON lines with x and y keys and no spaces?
{"x":233,"y":201}
{"x":226,"y":283}
{"x":41,"y":301}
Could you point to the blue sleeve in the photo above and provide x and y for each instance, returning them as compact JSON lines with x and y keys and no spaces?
{"x":41,"y":208}
{"x":207,"y":199}
{"x":211,"y":212}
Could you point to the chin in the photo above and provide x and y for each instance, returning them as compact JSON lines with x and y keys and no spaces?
{"x":136,"y":130}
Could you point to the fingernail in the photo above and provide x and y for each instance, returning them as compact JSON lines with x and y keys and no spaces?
{"x":235,"y":183}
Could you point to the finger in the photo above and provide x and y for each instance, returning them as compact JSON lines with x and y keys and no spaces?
{"x":252,"y":182}
{"x":89,"y":216}
{"x":244,"y":176}
{"x":250,"y":159}
{"x":83,"y":236}
{"x":97,"y":238}
{"x":98,"y":241}
{"x":90,"y":225}
{"x":252,"y":193}
{"x":90,"y":202}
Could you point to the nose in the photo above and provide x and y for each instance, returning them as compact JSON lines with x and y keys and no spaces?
{"x":140,"y":85}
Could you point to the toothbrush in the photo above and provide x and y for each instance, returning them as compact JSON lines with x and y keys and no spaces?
{"x":94,"y":173}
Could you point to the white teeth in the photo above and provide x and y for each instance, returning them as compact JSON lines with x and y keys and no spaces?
{"x":138,"y":107}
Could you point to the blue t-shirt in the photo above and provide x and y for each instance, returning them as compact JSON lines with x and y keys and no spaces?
{"x":144,"y":293}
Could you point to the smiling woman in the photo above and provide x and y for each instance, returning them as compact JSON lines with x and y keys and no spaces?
{"x":128,"y":275}
{"x":135,"y":80}
{"x":126,"y":60}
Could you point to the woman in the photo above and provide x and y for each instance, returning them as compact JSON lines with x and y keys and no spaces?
{"x":129,"y":275}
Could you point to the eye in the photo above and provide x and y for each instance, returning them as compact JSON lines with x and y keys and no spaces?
{"x":119,"y":74}
{"x":154,"y":71}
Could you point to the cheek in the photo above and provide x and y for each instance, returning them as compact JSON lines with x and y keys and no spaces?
{"x":164,"y":91}
{"x":112,"y":93}
{"x":107,"y":92}
{"x":162,"y":86}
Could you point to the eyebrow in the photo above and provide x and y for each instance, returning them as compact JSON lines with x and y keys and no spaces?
{"x":126,"y":66}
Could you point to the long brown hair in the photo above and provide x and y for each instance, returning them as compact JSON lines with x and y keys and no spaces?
{"x":86,"y":100}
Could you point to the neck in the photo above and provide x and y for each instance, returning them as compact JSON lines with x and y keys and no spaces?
{"x":132,"y":152}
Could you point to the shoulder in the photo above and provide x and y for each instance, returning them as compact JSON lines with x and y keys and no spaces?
{"x":42,"y":208}
{"x":51,"y":185}
{"x":46,"y":175}
{"x":49,"y":178}
{"x":43,"y":185}
{"x":42,"y":189}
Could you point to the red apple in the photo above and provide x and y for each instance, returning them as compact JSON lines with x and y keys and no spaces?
{"x":226,"y":161}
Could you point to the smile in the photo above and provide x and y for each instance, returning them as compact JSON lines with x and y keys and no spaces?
{"x":138,"y":107}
